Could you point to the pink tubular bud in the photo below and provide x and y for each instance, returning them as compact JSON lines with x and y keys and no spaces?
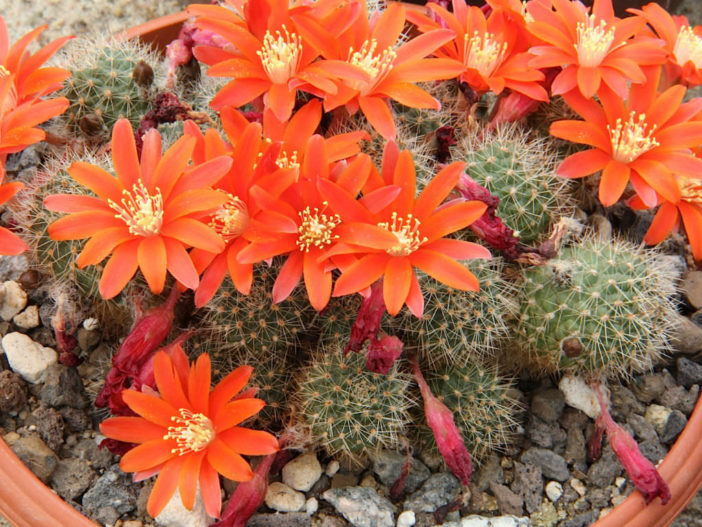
{"x":367,"y":323}
{"x":448,"y":438}
{"x":383,"y":353}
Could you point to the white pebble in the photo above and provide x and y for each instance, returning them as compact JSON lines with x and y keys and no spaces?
{"x":579,"y":395}
{"x":620,"y":483}
{"x":578,"y":486}
{"x":406,"y":519}
{"x":13,"y":299}
{"x":91,"y":324}
{"x":174,"y":514}
{"x":554,"y":490}
{"x":302,"y":472}
{"x":26,"y":357}
{"x":332,"y":468}
{"x":27,"y":319}
{"x":282,"y":498}
{"x":311,"y":506}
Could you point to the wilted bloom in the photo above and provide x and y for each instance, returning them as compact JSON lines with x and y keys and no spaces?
{"x":642,"y":140}
{"x":640,"y":470}
{"x":146,"y":217}
{"x":187,"y":433}
{"x":448,"y":438}
{"x":593,"y":49}
{"x":382,"y":353}
{"x":682,"y":42}
{"x":370,"y":315}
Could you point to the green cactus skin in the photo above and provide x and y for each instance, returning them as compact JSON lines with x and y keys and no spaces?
{"x":351,"y":411}
{"x":521,"y":172}
{"x":101,"y":84}
{"x":483,"y":407}
{"x":458,"y":326}
{"x":336,"y":320}
{"x":598,"y":307}
{"x":253,"y":322}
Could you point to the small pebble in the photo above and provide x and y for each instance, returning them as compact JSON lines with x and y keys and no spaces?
{"x":13,"y":299}
{"x":406,"y":519}
{"x":332,"y":468}
{"x":620,"y":483}
{"x":26,"y":357}
{"x":658,"y":416}
{"x":578,"y":486}
{"x":311,"y":506}
{"x":27,"y":319}
{"x":554,"y":490}
{"x":579,"y":395}
{"x":91,"y":324}
{"x":302,"y":472}
{"x":282,"y":498}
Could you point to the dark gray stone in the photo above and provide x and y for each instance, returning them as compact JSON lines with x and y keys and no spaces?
{"x":643,"y":430}
{"x":678,"y":398}
{"x":34,"y":453}
{"x":507,"y":501}
{"x":689,"y":372}
{"x":575,"y":451}
{"x":653,"y":450}
{"x":490,"y":471}
{"x":572,"y":418}
{"x":687,"y":337}
{"x":581,"y":520}
{"x":545,"y":434}
{"x":437,"y":491}
{"x":114,"y":489}
{"x":548,"y":405}
{"x":598,"y":498}
{"x":624,"y":403}
{"x":75,"y":420}
{"x":603,"y":471}
{"x":529,"y":484}
{"x":100,"y":458}
{"x":387,"y":465}
{"x":62,"y":386}
{"x":72,"y":478}
{"x":675,"y":424}
{"x":648,"y":388}
{"x":361,"y":506}
{"x":50,"y":426}
{"x":552,"y":465}
{"x":289,"y":519}
{"x":691,"y":287}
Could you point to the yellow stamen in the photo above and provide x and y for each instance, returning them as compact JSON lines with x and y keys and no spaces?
{"x":632,"y":138}
{"x":406,"y":230}
{"x":594,"y":41}
{"x":483,"y":53}
{"x":690,"y":190}
{"x":316,"y":228}
{"x":280,"y":56}
{"x":688,"y":47}
{"x":193,"y":433}
{"x":141,"y":211}
{"x":231,"y":219}
{"x":377,"y":66}
{"x":285,"y":161}
{"x":4,"y":72}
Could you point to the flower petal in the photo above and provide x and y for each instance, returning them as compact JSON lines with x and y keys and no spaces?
{"x":150,"y":407}
{"x":165,"y":486}
{"x":445,"y":270}
{"x":151,"y":256}
{"x":237,"y":411}
{"x":132,"y":429}
{"x":193,"y":233}
{"x":124,"y":154}
{"x":249,"y":442}
{"x":227,"y":462}
{"x":119,"y":269}
{"x":180,"y":265}
{"x":228,"y":387}
{"x":147,"y":455}
{"x":377,"y":111}
{"x":396,"y":284}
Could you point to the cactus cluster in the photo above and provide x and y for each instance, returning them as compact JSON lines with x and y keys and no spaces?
{"x":108,"y":81}
{"x":484,"y":409}
{"x":599,"y":306}
{"x":520,"y":170}
{"x":460,"y":326}
{"x":349,"y":410}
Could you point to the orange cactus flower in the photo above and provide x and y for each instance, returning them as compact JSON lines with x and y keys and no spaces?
{"x":643,"y":140}
{"x":10,"y":243}
{"x":409,"y":233}
{"x":492,"y":50}
{"x":300,"y":224}
{"x":270,"y":57}
{"x":187,"y":433}
{"x":592,"y":48}
{"x":146,"y":217}
{"x":380,"y":69}
{"x":30,"y":79}
{"x":682,"y":42}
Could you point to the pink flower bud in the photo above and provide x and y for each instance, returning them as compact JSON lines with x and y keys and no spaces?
{"x":383,"y":353}
{"x":448,"y":438}
{"x":367,"y":323}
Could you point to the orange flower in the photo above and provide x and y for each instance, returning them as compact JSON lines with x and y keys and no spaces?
{"x":407,"y":234}
{"x":592,"y":48}
{"x":147,"y":216}
{"x":491,"y":49}
{"x":270,"y":56}
{"x":10,"y":243}
{"x":643,"y":141}
{"x":682,"y":42}
{"x":188,"y":434}
{"x":379,"y":69}
{"x":31,"y":80}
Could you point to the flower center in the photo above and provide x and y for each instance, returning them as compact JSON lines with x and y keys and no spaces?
{"x":316,"y":228}
{"x":231,"y":219}
{"x":406,"y":231}
{"x":193,"y":432}
{"x":688,"y":47}
{"x":284,"y":161}
{"x":632,"y":138}
{"x":377,"y":66}
{"x":483,"y":53}
{"x":280,"y":56}
{"x":593,"y":42}
{"x":141,"y":211}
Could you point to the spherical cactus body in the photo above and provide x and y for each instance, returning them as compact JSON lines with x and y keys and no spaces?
{"x":599,"y":306}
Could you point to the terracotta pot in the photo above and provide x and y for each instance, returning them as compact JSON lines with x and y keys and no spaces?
{"x":26,"y":502}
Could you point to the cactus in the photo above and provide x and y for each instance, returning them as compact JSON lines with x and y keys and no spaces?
{"x":109,"y":80}
{"x":349,"y":410}
{"x":483,"y":407}
{"x":458,"y":326}
{"x":253,"y":322}
{"x":599,"y":306}
{"x":521,"y":172}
